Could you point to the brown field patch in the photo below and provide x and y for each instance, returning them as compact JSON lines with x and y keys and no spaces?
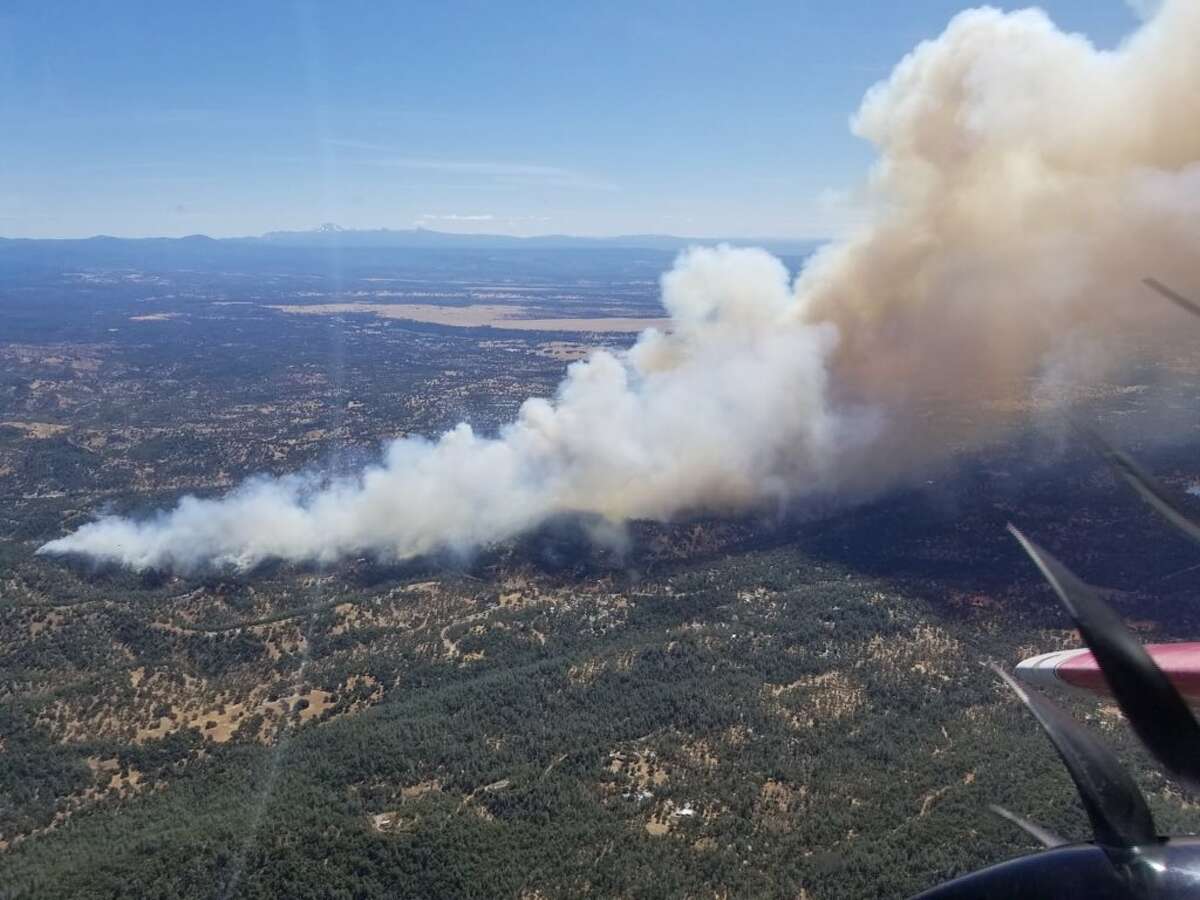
{"x":162,"y":708}
{"x":926,"y":650}
{"x":819,"y":698}
{"x":665,"y":816}
{"x":700,"y":753}
{"x":51,"y":622}
{"x":393,"y":821}
{"x":420,"y":789}
{"x":586,"y":672}
{"x":641,"y":768}
{"x":930,"y":799}
{"x":475,"y":316}
{"x":658,"y":825}
{"x":38,"y":430}
{"x":778,"y":804}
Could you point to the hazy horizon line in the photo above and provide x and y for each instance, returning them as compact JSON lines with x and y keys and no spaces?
{"x":324,"y":229}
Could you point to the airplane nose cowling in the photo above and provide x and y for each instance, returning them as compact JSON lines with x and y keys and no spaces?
{"x":1041,"y":671}
{"x":1076,"y":671}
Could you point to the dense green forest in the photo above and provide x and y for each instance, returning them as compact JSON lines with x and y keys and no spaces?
{"x":766,"y":724}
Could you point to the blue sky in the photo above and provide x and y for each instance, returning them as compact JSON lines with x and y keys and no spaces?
{"x":698,"y":118}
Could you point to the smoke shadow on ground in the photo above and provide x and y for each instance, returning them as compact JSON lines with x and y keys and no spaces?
{"x":946,"y":539}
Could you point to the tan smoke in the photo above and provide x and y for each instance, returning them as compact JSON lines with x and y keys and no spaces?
{"x":1026,"y":181}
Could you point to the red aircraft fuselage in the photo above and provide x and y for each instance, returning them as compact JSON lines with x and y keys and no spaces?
{"x":1077,"y":670}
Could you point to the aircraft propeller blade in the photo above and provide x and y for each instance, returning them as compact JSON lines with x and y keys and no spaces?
{"x":1174,"y":296}
{"x":1155,"y":709}
{"x":1118,"y":812}
{"x":1043,"y":836}
{"x":1145,"y":485}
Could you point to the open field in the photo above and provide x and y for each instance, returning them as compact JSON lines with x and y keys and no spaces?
{"x":476,"y":316}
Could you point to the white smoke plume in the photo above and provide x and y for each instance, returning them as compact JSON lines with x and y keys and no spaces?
{"x":678,"y":421}
{"x":1026,"y":180}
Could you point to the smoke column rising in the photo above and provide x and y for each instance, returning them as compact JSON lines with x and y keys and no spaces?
{"x":1025,"y":182}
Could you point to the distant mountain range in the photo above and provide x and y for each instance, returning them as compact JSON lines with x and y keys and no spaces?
{"x":422,"y":237}
{"x":290,"y":247}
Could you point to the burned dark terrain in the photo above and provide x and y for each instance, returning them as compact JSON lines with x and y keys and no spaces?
{"x":792,"y":702}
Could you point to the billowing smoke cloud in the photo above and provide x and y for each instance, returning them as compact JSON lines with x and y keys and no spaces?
{"x":1025,"y":182}
{"x":730,"y":409}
